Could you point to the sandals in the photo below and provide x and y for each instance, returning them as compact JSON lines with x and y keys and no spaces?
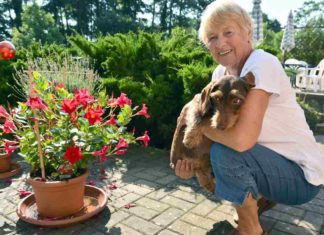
{"x":265,"y":205}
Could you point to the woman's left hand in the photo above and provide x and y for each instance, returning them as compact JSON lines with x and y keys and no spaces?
{"x":184,"y":169}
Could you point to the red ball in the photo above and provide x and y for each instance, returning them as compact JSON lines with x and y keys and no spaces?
{"x":7,"y":50}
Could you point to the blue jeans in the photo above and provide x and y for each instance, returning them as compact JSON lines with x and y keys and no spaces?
{"x":259,"y":171}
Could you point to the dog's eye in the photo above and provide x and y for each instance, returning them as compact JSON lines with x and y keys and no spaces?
{"x":218,"y":99}
{"x":237,"y":101}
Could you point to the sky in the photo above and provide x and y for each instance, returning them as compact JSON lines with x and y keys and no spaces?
{"x":275,"y":9}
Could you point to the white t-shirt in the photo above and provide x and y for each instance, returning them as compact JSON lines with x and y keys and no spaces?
{"x":284,"y":127}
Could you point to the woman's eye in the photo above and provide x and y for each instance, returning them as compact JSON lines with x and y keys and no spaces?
{"x":228,"y":33}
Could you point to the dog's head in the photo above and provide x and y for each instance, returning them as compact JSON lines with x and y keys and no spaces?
{"x":222,"y":99}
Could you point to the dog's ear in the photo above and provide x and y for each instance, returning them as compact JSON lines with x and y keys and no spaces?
{"x":204,"y":104}
{"x":249,"y":79}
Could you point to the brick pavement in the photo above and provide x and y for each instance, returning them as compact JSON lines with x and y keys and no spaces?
{"x":163,"y":204}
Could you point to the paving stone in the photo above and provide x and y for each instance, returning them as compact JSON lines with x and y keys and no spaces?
{"x":168,"y":216}
{"x":146,"y":176}
{"x":282,"y":216}
{"x":186,"y":229}
{"x":204,"y":207}
{"x":229,"y":209}
{"x":117,"y":217}
{"x":126,"y":199}
{"x":176,"y":202}
{"x":312,"y":221}
{"x":119,"y":229}
{"x":142,"y":225}
{"x":137,"y":189}
{"x":188,"y":196}
{"x":267,"y":223}
{"x":217,"y":215}
{"x":167,"y":179}
{"x":158,"y":194}
{"x":293,"y":229}
{"x":148,"y":184}
{"x":158,"y":171}
{"x":167,"y":232}
{"x":142,"y":212}
{"x":152,"y":204}
{"x":311,"y":207}
{"x":198,"y":220}
{"x":289,"y":210}
{"x":320,"y":195}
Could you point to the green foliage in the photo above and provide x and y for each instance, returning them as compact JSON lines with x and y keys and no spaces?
{"x":37,"y":25}
{"x":152,"y":68}
{"x":311,"y":114}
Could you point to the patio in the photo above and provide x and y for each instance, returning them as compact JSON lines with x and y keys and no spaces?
{"x":145,"y":197}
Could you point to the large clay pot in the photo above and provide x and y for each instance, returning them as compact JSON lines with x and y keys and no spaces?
{"x":59,"y":198}
{"x":5,"y":162}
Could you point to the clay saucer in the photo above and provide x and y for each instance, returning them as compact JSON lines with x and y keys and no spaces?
{"x":95,"y":201}
{"x":14,"y":169}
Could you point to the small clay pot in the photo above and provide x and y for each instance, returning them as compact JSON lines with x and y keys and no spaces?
{"x":56,"y":199}
{"x":5,"y":162}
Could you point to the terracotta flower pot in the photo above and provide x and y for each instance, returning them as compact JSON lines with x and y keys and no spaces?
{"x":59,"y":198}
{"x":5,"y":162}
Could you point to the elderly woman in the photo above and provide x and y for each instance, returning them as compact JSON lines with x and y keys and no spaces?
{"x":270,"y":151}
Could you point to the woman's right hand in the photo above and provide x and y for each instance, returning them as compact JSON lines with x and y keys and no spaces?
{"x":184,"y":169}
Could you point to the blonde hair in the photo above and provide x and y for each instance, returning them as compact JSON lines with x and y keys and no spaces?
{"x":221,"y":11}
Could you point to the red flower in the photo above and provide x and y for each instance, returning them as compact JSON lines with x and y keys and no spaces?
{"x":83,"y":97}
{"x":121,"y":151}
{"x":145,"y":138}
{"x":122,"y":100}
{"x":111,"y":121}
{"x":10,"y":146}
{"x":144,"y":111}
{"x":22,"y":193}
{"x":73,"y":154}
{"x":9,"y":127}
{"x":3,"y":112}
{"x":94,"y":115}
{"x":121,"y":144}
{"x":36,"y":103}
{"x":69,"y":106}
{"x":101,"y":153}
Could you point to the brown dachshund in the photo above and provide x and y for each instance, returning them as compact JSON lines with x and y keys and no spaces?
{"x":218,"y":105}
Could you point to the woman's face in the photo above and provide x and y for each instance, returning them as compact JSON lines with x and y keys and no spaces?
{"x":229,"y":45}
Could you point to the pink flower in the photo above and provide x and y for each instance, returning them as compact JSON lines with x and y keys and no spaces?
{"x":112,"y":102}
{"x":145,"y":138}
{"x":73,"y":154}
{"x":9,"y":127}
{"x":69,"y":106}
{"x":22,"y":193}
{"x":122,"y":100}
{"x":36,"y":103}
{"x":3,"y":112}
{"x":121,"y":151}
{"x":94,"y":115}
{"x":143,"y":111}
{"x":10,"y":146}
{"x":111,"y":121}
{"x":101,"y":153}
{"x":121,"y":144}
{"x":83,"y":97}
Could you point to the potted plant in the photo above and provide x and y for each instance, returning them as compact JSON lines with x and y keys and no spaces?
{"x":62,"y":132}
{"x":7,"y":146}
